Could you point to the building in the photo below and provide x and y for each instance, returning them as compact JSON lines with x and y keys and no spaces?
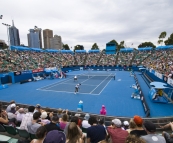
{"x":47,"y":34}
{"x":33,"y":39}
{"x":40,"y":35}
{"x":14,"y":35}
{"x":56,"y":42}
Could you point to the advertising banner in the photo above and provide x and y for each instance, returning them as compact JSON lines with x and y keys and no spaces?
{"x":17,"y":73}
{"x":38,"y":70}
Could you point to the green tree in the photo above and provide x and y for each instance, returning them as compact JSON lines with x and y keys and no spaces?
{"x":77,"y":47}
{"x":95,"y":47}
{"x":66,"y":47}
{"x":169,"y":41}
{"x":146,"y":44}
{"x":161,"y":37}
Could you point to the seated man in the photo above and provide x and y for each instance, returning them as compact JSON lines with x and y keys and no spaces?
{"x":158,"y":93}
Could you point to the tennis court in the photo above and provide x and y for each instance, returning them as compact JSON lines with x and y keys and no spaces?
{"x":91,"y":83}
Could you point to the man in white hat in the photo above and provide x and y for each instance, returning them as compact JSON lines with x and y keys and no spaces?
{"x":85,"y":123}
{"x":117,"y":134}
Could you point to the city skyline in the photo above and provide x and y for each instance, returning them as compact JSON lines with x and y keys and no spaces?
{"x":89,"y":22}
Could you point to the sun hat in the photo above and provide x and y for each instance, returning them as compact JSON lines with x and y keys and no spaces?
{"x":43,"y":115}
{"x":126,"y":123}
{"x":13,"y":105}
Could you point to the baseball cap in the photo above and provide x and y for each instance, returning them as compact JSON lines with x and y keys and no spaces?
{"x":126,"y":123}
{"x":117,"y":122}
{"x":149,"y":126}
{"x":80,"y":101}
{"x":38,"y":106}
{"x":138,"y":120}
{"x":55,"y":137}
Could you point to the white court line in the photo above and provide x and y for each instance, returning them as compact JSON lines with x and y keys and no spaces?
{"x":82,"y":84}
{"x":65,"y":92}
{"x":104,"y":87}
{"x":99,"y":84}
{"x":55,"y":84}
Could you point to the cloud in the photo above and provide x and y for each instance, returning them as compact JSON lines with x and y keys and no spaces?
{"x":87,"y":22}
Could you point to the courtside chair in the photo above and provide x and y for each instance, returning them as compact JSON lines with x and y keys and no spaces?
{"x":32,"y":136}
{"x":23,"y":133}
{"x":2,"y":129}
{"x":10,"y":129}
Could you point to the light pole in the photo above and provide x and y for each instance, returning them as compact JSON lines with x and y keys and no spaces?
{"x":8,"y":26}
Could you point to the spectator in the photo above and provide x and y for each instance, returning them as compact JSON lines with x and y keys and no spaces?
{"x":20,"y":114}
{"x":134,"y":139}
{"x":55,"y":137}
{"x":13,"y":108}
{"x":95,"y":133}
{"x":27,"y":118}
{"x":40,"y":134}
{"x":53,"y":124}
{"x":151,"y":137}
{"x":139,"y":131}
{"x":85,"y":123}
{"x":74,"y":119}
{"x":43,"y":118}
{"x":125,"y":125}
{"x":132,"y":126}
{"x":9,"y":106}
{"x":34,"y":124}
{"x":63,"y":121}
{"x":37,"y":108}
{"x":168,"y":137}
{"x":73,"y":135}
{"x":117,"y":134}
{"x":3,"y":117}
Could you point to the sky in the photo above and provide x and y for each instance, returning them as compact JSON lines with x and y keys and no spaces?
{"x":85,"y":22}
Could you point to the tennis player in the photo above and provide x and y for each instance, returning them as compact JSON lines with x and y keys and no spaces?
{"x":77,"y":88}
{"x":75,"y":78}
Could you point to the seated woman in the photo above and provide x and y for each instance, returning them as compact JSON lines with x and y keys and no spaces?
{"x":3,"y":117}
{"x":158,"y":93}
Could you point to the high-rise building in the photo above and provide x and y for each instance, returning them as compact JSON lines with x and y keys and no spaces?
{"x":47,"y":34}
{"x":56,"y":42}
{"x":40,"y":35}
{"x":14,"y":35}
{"x":33,"y":39}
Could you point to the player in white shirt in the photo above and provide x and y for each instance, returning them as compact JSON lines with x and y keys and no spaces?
{"x":77,"y":88}
{"x":75,"y":78}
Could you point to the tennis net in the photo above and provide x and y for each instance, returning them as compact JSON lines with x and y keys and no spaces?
{"x":93,"y":77}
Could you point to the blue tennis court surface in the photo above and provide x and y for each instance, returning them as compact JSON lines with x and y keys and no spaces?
{"x":94,"y":92}
{"x":91,"y":83}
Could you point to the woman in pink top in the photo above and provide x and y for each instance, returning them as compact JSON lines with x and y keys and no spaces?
{"x":63,"y":121}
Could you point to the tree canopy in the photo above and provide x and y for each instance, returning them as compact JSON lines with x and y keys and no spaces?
{"x":66,"y":47}
{"x":169,"y":41}
{"x":78,"y":47}
{"x":95,"y":47}
{"x":146,"y":44}
{"x":161,"y":37}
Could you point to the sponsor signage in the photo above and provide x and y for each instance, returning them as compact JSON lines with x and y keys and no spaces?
{"x":17,"y":73}
{"x":25,"y":72}
{"x":38,"y":70}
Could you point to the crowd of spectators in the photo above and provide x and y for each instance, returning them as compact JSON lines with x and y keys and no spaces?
{"x":159,"y":60}
{"x":51,"y":127}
